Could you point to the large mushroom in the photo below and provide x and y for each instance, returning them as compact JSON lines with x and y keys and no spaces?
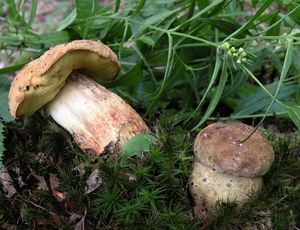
{"x":98,"y":119}
{"x":226,"y":169}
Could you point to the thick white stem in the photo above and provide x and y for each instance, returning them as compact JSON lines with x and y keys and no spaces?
{"x":98,"y":119}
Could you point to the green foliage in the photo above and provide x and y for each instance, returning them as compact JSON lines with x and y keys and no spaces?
{"x":148,"y":190}
{"x":1,"y":145}
{"x":137,"y":145}
{"x":133,"y":191}
{"x":172,"y":53}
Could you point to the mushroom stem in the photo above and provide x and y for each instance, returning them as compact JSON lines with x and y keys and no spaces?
{"x":99,"y":120}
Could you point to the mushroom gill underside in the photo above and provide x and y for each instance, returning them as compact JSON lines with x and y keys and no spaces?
{"x":99,"y":120}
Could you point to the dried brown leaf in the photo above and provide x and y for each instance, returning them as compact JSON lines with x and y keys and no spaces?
{"x":80,"y":224}
{"x":7,"y":184}
{"x":93,"y":182}
{"x":54,"y":183}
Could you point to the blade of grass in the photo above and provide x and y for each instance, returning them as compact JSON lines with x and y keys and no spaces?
{"x":285,"y":68}
{"x":211,"y":83}
{"x":201,"y":12}
{"x":277,"y":22}
{"x":217,"y":96}
{"x":11,"y":68}
{"x":238,"y":117}
{"x":67,"y":21}
{"x":139,"y":7}
{"x":117,"y":5}
{"x":32,"y":14}
{"x":166,"y":76}
{"x":249,"y":23}
{"x":14,"y":14}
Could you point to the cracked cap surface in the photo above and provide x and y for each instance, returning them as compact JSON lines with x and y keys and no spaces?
{"x":215,"y":146}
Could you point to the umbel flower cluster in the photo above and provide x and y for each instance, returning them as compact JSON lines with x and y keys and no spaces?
{"x":238,"y":55}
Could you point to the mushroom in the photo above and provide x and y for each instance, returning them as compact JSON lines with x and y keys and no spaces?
{"x":225,"y":169}
{"x":98,"y":119}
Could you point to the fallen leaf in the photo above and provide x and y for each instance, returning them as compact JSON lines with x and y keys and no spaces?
{"x":93,"y":182}
{"x":6,"y":226}
{"x":80,"y":224}
{"x":74,"y":217}
{"x":20,"y":180}
{"x":7,"y":183}
{"x":42,"y":185}
{"x":54,"y":182}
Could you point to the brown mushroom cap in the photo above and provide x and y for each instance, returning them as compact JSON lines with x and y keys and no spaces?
{"x":39,"y":81}
{"x":216,"y":146}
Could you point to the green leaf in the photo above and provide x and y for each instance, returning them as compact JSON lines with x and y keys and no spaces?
{"x":210,"y":85}
{"x":255,"y":99}
{"x":216,"y":97}
{"x":11,"y":68}
{"x":139,"y":7}
{"x":294,"y":114}
{"x":132,"y":77}
{"x":1,"y":144}
{"x":249,"y":23}
{"x":147,"y":40}
{"x":32,"y":13}
{"x":138,"y":144}
{"x":67,"y":21}
{"x":51,"y":39}
{"x":4,"y":112}
{"x":85,"y":9}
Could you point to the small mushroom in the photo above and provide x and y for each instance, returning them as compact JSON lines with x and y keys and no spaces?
{"x":226,"y":169}
{"x":217,"y":146}
{"x":60,"y":79}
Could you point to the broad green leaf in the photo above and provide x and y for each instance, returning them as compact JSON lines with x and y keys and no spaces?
{"x":255,"y":99}
{"x":138,"y":144}
{"x":4,"y":112}
{"x":132,"y":77}
{"x":4,"y":87}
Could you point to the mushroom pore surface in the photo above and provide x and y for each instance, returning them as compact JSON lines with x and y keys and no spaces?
{"x":98,"y":119}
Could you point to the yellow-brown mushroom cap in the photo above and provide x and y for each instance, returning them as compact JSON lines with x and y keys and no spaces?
{"x":40,"y":80}
{"x":216,"y":146}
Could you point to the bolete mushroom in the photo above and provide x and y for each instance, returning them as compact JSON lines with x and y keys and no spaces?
{"x":226,"y":169}
{"x":98,"y":119}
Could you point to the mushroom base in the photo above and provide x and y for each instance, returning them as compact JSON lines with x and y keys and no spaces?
{"x":99,"y":120}
{"x":208,"y":186}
